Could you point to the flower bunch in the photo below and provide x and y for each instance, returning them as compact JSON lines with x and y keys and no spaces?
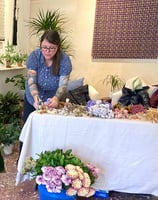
{"x":59,"y":170}
{"x":100,"y":108}
{"x":71,"y":177}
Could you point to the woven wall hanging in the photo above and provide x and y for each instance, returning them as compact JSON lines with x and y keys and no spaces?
{"x":125,"y":29}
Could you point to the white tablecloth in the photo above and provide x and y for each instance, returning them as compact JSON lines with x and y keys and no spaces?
{"x":126,"y":151}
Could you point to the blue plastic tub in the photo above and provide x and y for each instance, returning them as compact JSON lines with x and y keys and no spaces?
{"x":101,"y":194}
{"x":45,"y":195}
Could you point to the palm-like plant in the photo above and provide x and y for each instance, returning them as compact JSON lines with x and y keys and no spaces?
{"x":114,"y":81}
{"x":50,"y":20}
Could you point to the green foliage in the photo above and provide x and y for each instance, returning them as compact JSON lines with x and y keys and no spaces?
{"x":114,"y":81}
{"x":9,"y":107}
{"x":8,"y":56}
{"x":20,"y":57}
{"x":10,"y":126}
{"x":11,"y":56}
{"x":18,"y":81}
{"x":50,"y":20}
{"x":59,"y":157}
{"x":9,"y":133}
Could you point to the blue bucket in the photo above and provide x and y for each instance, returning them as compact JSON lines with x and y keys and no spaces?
{"x":45,"y":195}
{"x":101,"y":194}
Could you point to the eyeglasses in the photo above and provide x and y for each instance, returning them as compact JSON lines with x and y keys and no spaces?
{"x":50,"y":49}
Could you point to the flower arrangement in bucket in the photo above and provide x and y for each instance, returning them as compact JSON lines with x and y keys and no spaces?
{"x":60,"y":171}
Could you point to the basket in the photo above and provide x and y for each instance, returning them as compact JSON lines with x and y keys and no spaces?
{"x":45,"y":195}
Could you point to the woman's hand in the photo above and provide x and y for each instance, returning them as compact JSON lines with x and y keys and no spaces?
{"x":36,"y":102}
{"x":53,"y":102}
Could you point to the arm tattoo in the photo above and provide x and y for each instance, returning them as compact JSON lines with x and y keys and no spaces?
{"x":32,"y":79}
{"x":62,"y":85}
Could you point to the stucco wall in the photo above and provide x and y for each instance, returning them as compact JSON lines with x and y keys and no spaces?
{"x":81,"y":15}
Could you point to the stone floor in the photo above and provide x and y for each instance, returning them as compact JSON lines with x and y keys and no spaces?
{"x":26,"y":190}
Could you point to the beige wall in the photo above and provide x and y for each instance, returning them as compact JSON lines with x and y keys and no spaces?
{"x":80,"y":27}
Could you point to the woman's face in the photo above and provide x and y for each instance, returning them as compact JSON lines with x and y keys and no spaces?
{"x":48,"y":49}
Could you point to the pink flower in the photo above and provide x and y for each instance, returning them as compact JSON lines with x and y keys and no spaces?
{"x":66,"y":180}
{"x":93,"y":169}
{"x":51,"y":187}
{"x":60,"y":170}
{"x":57,"y":182}
{"x":40,"y":180}
{"x":50,"y":175}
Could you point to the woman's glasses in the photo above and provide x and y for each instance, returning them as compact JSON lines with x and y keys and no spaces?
{"x":50,"y":49}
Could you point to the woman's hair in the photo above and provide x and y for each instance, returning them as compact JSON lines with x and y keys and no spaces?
{"x":54,"y":38}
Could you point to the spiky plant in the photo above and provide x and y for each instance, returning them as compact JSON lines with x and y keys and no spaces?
{"x":50,"y":20}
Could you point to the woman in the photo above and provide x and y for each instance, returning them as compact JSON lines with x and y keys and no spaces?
{"x":48,"y":71}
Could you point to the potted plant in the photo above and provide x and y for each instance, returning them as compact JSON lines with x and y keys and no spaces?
{"x":61,"y":171}
{"x":20,"y":58}
{"x":8,"y":56}
{"x":50,"y":20}
{"x":10,"y":124}
{"x":114,"y":81}
{"x":9,"y":134}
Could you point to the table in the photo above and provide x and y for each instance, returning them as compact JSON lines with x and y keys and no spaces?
{"x":126,"y":151}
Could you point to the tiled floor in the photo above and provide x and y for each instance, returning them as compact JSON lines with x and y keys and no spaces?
{"x":26,"y":190}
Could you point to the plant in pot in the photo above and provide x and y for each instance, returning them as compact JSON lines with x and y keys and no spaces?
{"x":20,"y":58}
{"x":50,"y":20}
{"x":115,"y":82}
{"x":8,"y":57}
{"x":9,"y":134}
{"x":10,"y":124}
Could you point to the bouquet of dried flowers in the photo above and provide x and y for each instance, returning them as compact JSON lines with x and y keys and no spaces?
{"x":59,"y":170}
